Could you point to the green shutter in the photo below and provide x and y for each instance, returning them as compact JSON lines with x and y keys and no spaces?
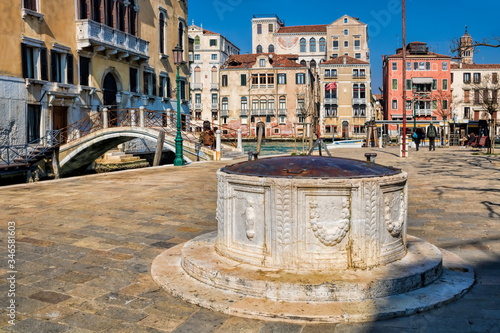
{"x":44,"y":70}
{"x":69,"y":67}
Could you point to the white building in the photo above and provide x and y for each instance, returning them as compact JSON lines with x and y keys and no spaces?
{"x":210,"y":52}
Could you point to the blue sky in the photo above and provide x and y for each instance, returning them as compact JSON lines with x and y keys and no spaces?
{"x":432,"y":21}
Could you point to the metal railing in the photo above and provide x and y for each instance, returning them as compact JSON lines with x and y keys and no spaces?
{"x":30,"y":152}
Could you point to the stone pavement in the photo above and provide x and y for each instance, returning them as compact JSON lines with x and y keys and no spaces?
{"x":84,"y":246}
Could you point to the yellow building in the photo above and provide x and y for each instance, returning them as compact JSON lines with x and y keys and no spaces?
{"x":346,"y":102}
{"x":62,"y":61}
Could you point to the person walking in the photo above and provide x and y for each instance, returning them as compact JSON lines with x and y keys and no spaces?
{"x":431,"y":134}
{"x":417,"y":136}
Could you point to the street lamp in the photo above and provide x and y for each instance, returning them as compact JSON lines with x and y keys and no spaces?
{"x":178,"y":138}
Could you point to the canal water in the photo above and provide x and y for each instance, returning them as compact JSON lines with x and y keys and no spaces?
{"x":278,"y":147}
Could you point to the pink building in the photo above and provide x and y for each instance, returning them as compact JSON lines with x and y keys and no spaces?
{"x":428,"y":85}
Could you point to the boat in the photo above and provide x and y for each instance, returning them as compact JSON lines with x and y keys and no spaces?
{"x":346,"y":144}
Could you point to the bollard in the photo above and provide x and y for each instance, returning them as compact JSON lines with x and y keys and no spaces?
{"x":253,"y":155}
{"x":370,"y":157}
{"x":105,"y":118}
{"x":218,"y":142}
{"x":239,"y":145}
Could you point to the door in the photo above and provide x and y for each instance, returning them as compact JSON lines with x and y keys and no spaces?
{"x":109,"y":98}
{"x":60,"y":121}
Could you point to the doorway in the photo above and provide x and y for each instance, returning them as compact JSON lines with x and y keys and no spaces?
{"x":345,"y":130}
{"x":60,"y":121}
{"x":109,"y":91}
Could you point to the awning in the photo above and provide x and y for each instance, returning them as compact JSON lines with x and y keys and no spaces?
{"x":422,"y":80}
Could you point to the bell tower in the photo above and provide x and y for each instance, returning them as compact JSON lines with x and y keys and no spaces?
{"x":466,"y":50}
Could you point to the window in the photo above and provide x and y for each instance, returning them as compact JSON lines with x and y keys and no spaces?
{"x":281,"y":78}
{"x":330,"y":110}
{"x":444,"y":66}
{"x":345,"y":20}
{"x":259,"y":29}
{"x":322,"y":45}
{"x":162,"y":89}
{"x":408,"y":85}
{"x":427,"y":66}
{"x":359,"y":110}
{"x":163,"y":35}
{"x":300,"y":105}
{"x":84,"y":71}
{"x":197,"y":42}
{"x":197,"y":57}
{"x":466,"y":96}
{"x":434,"y":84}
{"x":30,"y":4}
{"x":494,"y":78}
{"x":394,"y":104}
{"x":282,"y":119}
{"x":477,"y":77}
{"x":213,"y":56}
{"x":270,"y":104}
{"x":243,"y":79}
{"x":346,"y":44}
{"x":270,"y":79}
{"x":213,"y":42}
{"x":415,"y":66}
{"x":355,"y":91}
{"x":312,"y":45}
{"x":259,"y":49}
{"x":34,"y":61}
{"x":225,"y":104}
{"x":270,"y":48}
{"x":466,"y":77}
{"x":394,"y":66}
{"x":300,"y":78}
{"x":335,"y":55}
{"x":445,"y":104}
{"x":270,"y":27}
{"x":263,"y":104}
{"x":303,"y":45}
{"x":197,"y":98}
{"x":134,"y":80}
{"x":394,"y":84}
{"x":346,"y":32}
{"x":467,"y":112}
{"x":224,"y":80}
{"x":34,"y":121}
{"x":149,"y":83}
{"x":445,"y":84}
{"x":362,"y":91}
{"x":421,"y":66}
{"x":357,"y":55}
{"x":244,"y":103}
{"x":357,"y":44}
{"x":335,"y":44}
{"x":408,"y":66}
{"x":262,"y":62}
{"x":282,"y":103}
{"x":477,"y":94}
{"x":61,"y":65}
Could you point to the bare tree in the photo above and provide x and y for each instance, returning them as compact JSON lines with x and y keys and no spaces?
{"x":443,"y":104}
{"x":458,"y":47}
{"x":486,"y":96}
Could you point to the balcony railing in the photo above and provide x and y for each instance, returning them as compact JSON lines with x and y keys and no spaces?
{"x":197,"y":86}
{"x":360,"y":101}
{"x":359,"y":76}
{"x":243,"y":112}
{"x":423,"y":112}
{"x":214,"y":106}
{"x":103,"y":38}
{"x":331,"y":100}
{"x":331,"y":76}
{"x":197,"y":106}
{"x":224,"y":113}
{"x":262,"y":112}
{"x":214,"y":86}
{"x":282,"y":112}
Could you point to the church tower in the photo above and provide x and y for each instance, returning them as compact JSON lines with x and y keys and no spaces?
{"x":466,"y":51}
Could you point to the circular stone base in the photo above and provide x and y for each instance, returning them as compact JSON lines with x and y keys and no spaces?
{"x":424,"y":279}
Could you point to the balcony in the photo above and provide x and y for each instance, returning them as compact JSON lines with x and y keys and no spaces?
{"x":224,"y":113}
{"x":262,"y":112}
{"x":360,"y":101}
{"x":197,"y":86}
{"x":423,"y":112}
{"x":214,"y":106}
{"x":197,"y":106}
{"x":282,"y":112}
{"x":331,"y":101}
{"x":97,"y":37}
{"x":243,"y":112}
{"x":359,"y":76}
{"x":214,"y":86}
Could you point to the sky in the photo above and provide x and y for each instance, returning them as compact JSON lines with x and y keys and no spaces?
{"x":434,"y":22}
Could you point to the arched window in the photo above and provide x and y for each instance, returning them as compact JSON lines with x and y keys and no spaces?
{"x":271,"y":48}
{"x":303,"y":62}
{"x":161,"y":27}
{"x":225,"y":103}
{"x":244,"y":103}
{"x":322,"y":45}
{"x":197,"y":75}
{"x":312,"y":45}
{"x":263,"y":104}
{"x":214,"y":75}
{"x":132,"y":20}
{"x":197,"y":42}
{"x":355,"y":91}
{"x":303,"y":45}
{"x":282,"y":103}
{"x":312,"y":64}
{"x":259,"y":49}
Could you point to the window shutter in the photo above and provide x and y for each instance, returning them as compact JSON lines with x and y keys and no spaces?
{"x":53,"y":66}
{"x":243,"y":79}
{"x":24,"y":59}
{"x":69,"y":64}
{"x":145,"y":77}
{"x":154,"y":84}
{"x":44,"y":70}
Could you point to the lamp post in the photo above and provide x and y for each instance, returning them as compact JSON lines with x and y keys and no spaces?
{"x":178,"y":138}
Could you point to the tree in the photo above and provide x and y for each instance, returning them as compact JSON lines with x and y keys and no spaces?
{"x":458,"y":47}
{"x":486,"y":96}
{"x":443,"y":104}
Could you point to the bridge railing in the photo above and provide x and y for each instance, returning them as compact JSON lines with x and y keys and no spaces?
{"x":31,"y":151}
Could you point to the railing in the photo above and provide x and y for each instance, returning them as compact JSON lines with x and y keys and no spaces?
{"x":359,"y":76}
{"x":423,"y":112}
{"x":31,"y":151}
{"x":359,"y":101}
{"x":331,"y":101}
{"x":197,"y":86}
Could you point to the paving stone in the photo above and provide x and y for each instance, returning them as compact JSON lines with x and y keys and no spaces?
{"x":34,"y":325}
{"x":202,"y":321}
{"x":89,"y":321}
{"x":49,"y":297}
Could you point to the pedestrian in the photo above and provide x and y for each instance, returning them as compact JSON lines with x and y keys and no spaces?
{"x":207,"y":137}
{"x":431,"y":134}
{"x":417,"y":136}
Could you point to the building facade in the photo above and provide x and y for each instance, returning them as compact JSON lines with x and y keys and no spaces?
{"x":312,"y":43}
{"x":475,"y":87}
{"x":210,"y":52}
{"x":345,"y":86}
{"x":60,"y":63}
{"x":427,"y":86}
{"x":269,"y":89}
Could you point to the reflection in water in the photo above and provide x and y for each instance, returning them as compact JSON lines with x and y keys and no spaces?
{"x":278,"y":147}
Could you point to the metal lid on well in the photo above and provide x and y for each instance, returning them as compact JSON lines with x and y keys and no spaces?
{"x":310,"y":167}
